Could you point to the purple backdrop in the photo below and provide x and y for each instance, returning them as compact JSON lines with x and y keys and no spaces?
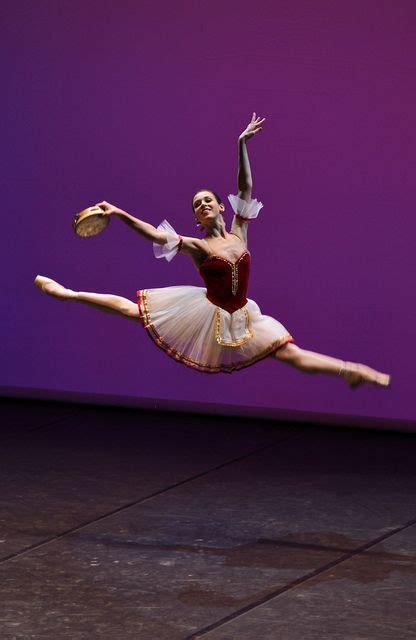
{"x":140,"y":104}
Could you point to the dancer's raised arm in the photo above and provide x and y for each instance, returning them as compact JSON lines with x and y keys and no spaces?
{"x":244,"y":178}
{"x":245,"y":182}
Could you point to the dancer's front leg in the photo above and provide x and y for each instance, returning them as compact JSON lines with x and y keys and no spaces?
{"x":356,"y":374}
{"x":106,"y":302}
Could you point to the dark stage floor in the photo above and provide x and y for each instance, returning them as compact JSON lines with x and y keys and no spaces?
{"x":126,"y":524}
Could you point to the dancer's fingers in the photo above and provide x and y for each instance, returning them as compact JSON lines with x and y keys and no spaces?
{"x":105,"y":208}
{"x":104,"y":205}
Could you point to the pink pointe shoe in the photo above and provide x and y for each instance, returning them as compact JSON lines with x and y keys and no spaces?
{"x":52,"y":288}
{"x":357,"y":374}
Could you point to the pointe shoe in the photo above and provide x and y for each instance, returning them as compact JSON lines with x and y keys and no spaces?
{"x":358,"y":374}
{"x":53,"y":288}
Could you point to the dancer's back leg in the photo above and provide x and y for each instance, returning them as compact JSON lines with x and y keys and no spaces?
{"x":355,"y":373}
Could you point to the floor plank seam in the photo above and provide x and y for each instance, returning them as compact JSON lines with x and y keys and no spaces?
{"x":133,"y":503}
{"x":37,"y":428}
{"x":295,"y":583}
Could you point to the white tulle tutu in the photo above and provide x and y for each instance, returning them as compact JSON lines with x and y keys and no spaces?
{"x":183,"y":322}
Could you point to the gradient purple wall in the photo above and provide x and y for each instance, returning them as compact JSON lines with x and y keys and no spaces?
{"x":141,"y":103}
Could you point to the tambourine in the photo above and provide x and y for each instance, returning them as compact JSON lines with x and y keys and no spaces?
{"x":89,"y":222}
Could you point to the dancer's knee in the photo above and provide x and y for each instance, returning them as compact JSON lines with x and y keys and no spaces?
{"x":289,"y":353}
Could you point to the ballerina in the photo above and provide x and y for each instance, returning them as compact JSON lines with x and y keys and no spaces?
{"x":215,"y":328}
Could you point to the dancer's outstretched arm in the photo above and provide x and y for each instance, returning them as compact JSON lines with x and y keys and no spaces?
{"x":145,"y":229}
{"x":244,"y":178}
{"x":192,"y":246}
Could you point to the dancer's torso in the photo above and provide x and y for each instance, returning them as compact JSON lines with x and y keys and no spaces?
{"x":226,"y":280}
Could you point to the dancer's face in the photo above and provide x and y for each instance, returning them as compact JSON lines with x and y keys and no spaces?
{"x":206,"y":206}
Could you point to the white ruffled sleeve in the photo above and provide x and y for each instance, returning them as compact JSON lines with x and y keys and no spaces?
{"x":171,"y":247}
{"x":244,"y":209}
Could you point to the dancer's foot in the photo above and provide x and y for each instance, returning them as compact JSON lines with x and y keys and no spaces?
{"x":53,"y":288}
{"x":358,"y":374}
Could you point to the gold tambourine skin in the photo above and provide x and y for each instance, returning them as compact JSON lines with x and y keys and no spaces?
{"x":90,"y":221}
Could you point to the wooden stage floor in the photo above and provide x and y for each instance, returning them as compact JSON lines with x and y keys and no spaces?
{"x":123,"y":524}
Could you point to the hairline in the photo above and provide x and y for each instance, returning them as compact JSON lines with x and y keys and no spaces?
{"x":216,"y":197}
{"x":203,"y":191}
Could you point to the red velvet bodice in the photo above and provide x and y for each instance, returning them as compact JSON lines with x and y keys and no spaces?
{"x":226,"y":281}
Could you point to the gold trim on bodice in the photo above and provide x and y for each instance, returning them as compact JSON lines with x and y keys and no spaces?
{"x":234,"y":278}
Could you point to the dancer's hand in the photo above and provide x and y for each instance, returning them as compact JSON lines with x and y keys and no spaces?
{"x":252,"y":128}
{"x":108,"y":209}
